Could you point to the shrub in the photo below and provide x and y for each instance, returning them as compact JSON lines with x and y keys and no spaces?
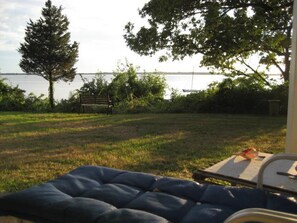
{"x":14,"y":99}
{"x":35,"y":103}
{"x":131,"y":93}
{"x":97,"y":86}
{"x":11,"y":98}
{"x":236,"y":96}
{"x":281,"y":92}
{"x":127,"y":86}
{"x":68,"y":105}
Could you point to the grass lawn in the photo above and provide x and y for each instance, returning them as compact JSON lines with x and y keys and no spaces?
{"x":35,"y":148}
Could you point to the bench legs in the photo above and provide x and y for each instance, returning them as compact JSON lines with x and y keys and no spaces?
{"x":108,"y":109}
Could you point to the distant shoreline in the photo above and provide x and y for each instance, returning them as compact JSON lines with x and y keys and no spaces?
{"x":160,"y":72}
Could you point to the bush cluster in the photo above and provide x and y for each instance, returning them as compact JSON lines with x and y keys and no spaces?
{"x":239,"y":96}
{"x":14,"y":99}
{"x":233,"y":96}
{"x":133,"y":94}
{"x":129,"y":92}
{"x":126,"y":85}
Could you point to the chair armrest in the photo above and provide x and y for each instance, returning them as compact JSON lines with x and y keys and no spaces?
{"x":261,"y":215}
{"x":270,"y":160}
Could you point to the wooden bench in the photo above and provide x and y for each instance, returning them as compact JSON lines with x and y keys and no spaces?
{"x":95,"y":101}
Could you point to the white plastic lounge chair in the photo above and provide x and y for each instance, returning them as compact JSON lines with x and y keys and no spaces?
{"x":260,"y":214}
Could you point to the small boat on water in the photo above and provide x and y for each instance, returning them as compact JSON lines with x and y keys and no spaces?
{"x":190,"y":91}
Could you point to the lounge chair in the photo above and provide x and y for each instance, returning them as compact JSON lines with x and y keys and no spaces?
{"x":93,"y":194}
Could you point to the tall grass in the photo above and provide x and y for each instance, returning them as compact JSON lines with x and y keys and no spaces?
{"x":35,"y":148}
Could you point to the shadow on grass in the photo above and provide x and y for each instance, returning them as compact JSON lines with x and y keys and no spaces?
{"x":39,"y":147}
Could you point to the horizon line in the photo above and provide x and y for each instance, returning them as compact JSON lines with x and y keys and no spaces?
{"x":144,"y":72}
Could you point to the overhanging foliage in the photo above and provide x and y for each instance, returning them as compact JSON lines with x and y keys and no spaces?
{"x":235,"y":37}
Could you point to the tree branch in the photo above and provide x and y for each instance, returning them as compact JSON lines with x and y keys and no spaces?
{"x":255,"y":72}
{"x":278,"y":66}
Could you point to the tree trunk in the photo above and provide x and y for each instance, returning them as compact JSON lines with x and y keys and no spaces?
{"x":51,"y":92}
{"x":286,"y":73}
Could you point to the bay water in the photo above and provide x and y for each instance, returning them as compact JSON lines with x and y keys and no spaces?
{"x":62,"y":90}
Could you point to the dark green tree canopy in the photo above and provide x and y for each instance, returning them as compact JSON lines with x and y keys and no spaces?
{"x":253,"y":33}
{"x":47,"y":50}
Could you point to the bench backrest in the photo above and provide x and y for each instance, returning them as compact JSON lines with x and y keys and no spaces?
{"x":94,"y":99}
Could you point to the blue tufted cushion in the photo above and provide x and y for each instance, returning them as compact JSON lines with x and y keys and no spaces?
{"x":92,"y":194}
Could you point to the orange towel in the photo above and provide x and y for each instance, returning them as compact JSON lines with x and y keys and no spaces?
{"x":249,"y":153}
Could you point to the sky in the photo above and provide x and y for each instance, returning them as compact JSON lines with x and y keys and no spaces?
{"x":98,"y":27}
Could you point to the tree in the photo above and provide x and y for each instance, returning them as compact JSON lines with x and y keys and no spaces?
{"x":47,"y":50}
{"x":229,"y":34}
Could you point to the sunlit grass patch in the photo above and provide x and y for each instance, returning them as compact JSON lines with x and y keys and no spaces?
{"x":35,"y":148}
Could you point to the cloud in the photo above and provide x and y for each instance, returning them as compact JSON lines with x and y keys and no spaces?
{"x":13,"y":18}
{"x":98,"y":27}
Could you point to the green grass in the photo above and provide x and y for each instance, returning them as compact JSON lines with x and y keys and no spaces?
{"x":35,"y":148}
